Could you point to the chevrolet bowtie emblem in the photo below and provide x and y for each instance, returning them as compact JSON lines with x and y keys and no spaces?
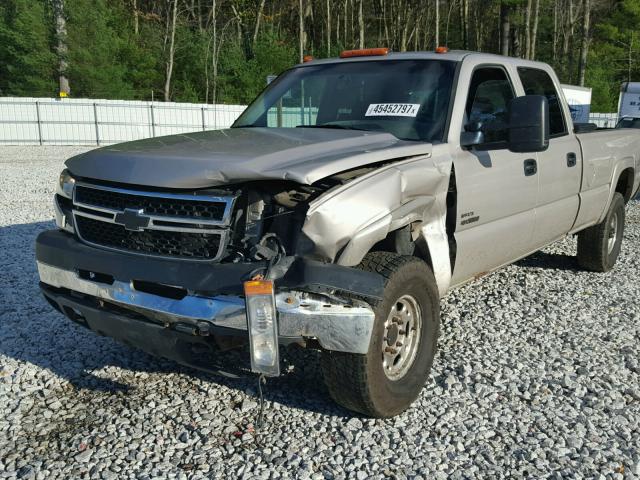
{"x":132,"y":219}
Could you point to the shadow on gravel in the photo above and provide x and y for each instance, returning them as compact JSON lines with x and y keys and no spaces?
{"x":554,"y":261}
{"x":32,"y":332}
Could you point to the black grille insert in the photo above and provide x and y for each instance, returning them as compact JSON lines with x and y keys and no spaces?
{"x":203,"y":246}
{"x":173,"y":207}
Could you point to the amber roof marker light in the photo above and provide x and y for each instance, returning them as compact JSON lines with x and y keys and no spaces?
{"x":365,"y":52}
{"x":442,"y":49}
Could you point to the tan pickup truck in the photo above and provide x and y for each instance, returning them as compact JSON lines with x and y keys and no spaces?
{"x":346,"y":200}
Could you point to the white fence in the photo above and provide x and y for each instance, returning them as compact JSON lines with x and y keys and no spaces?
{"x":46,"y":121}
{"x":604,"y":120}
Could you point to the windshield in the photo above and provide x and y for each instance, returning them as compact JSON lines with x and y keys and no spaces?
{"x":407,"y":98}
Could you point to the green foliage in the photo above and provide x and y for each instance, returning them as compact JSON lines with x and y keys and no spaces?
{"x":108,"y":59}
{"x":104,"y":61}
{"x":243,"y":79}
{"x":613,"y":55}
{"x":27,"y":62}
{"x":191,"y":57}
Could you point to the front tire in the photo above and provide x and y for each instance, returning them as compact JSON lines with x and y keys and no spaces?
{"x":599,"y":246}
{"x":388,"y":379}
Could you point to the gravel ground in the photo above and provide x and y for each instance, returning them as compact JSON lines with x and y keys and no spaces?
{"x":538,"y":376}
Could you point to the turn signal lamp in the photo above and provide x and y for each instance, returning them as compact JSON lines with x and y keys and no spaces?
{"x":263,"y":327}
{"x":442,"y":49}
{"x":365,"y":52}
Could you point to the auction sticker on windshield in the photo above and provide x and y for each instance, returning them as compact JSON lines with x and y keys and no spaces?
{"x":392,"y":110}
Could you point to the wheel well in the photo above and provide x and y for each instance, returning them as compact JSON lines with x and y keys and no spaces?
{"x":401,"y":240}
{"x":625,"y":184}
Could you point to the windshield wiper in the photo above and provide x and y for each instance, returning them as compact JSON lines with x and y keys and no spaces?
{"x":335,"y":126}
{"x":325,"y":125}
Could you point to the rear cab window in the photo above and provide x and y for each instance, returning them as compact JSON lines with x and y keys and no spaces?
{"x":538,"y":82}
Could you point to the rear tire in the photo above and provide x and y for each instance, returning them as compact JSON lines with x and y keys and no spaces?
{"x":599,"y":246}
{"x":386,"y":381}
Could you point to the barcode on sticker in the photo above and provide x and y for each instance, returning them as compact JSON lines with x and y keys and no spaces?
{"x":392,"y":110}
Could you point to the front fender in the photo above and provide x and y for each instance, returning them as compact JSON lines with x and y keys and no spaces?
{"x":345,"y":223}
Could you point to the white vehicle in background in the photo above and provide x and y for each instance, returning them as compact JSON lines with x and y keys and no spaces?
{"x":629,"y":101}
{"x":579,"y":100}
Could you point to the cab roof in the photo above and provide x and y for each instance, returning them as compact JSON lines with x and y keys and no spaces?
{"x":451,"y":55}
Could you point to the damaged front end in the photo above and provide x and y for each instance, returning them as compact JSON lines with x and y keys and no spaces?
{"x":167,"y":270}
{"x":164,"y":270}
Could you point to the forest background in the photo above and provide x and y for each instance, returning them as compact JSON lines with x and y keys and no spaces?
{"x":221,"y":51}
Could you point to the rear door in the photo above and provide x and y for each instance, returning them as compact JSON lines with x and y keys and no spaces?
{"x":559,"y":167}
{"x":496,"y":194}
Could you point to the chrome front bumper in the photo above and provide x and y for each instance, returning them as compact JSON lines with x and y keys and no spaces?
{"x":337,"y":327}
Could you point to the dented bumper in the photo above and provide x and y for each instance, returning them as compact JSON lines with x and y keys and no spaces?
{"x":191,"y":298}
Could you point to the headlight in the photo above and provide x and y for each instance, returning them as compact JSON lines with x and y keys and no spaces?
{"x":66,"y":183}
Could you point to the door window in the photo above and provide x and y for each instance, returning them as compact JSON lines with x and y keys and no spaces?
{"x":538,"y":82}
{"x":487,"y":104}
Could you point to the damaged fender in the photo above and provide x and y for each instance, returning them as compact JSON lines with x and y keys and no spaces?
{"x":345,"y":223}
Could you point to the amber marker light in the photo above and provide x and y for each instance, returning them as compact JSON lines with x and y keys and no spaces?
{"x":365,"y":52}
{"x":262,"y":324}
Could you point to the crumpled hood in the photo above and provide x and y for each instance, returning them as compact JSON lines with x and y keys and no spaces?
{"x":206,"y":159}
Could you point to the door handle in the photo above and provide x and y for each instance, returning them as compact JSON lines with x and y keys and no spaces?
{"x":571,"y":159}
{"x":530,"y":167}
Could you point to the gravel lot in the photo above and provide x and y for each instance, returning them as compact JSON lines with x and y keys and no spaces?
{"x":538,"y":376}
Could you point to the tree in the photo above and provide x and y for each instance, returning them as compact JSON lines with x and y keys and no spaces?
{"x":220,"y":50}
{"x":534,"y":30}
{"x":61,"y":46}
{"x":527,"y":28}
{"x":27,"y":61}
{"x":172,"y":37}
{"x":437,"y":22}
{"x":612,"y":57}
{"x":301,"y":31}
{"x":105,"y":59}
{"x":256,"y":29}
{"x":586,"y":9}
{"x":505,"y":27}
{"x":360,"y":24}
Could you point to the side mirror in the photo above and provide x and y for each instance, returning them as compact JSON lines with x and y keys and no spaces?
{"x":472,"y":135}
{"x":529,"y":124}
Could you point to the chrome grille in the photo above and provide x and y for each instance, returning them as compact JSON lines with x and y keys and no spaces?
{"x":162,"y":206}
{"x":189,"y":226}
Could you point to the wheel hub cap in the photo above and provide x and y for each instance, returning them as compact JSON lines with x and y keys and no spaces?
{"x":392,"y":336}
{"x":402,"y":331}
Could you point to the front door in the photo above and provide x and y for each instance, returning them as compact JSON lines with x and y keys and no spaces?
{"x":496,"y":189}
